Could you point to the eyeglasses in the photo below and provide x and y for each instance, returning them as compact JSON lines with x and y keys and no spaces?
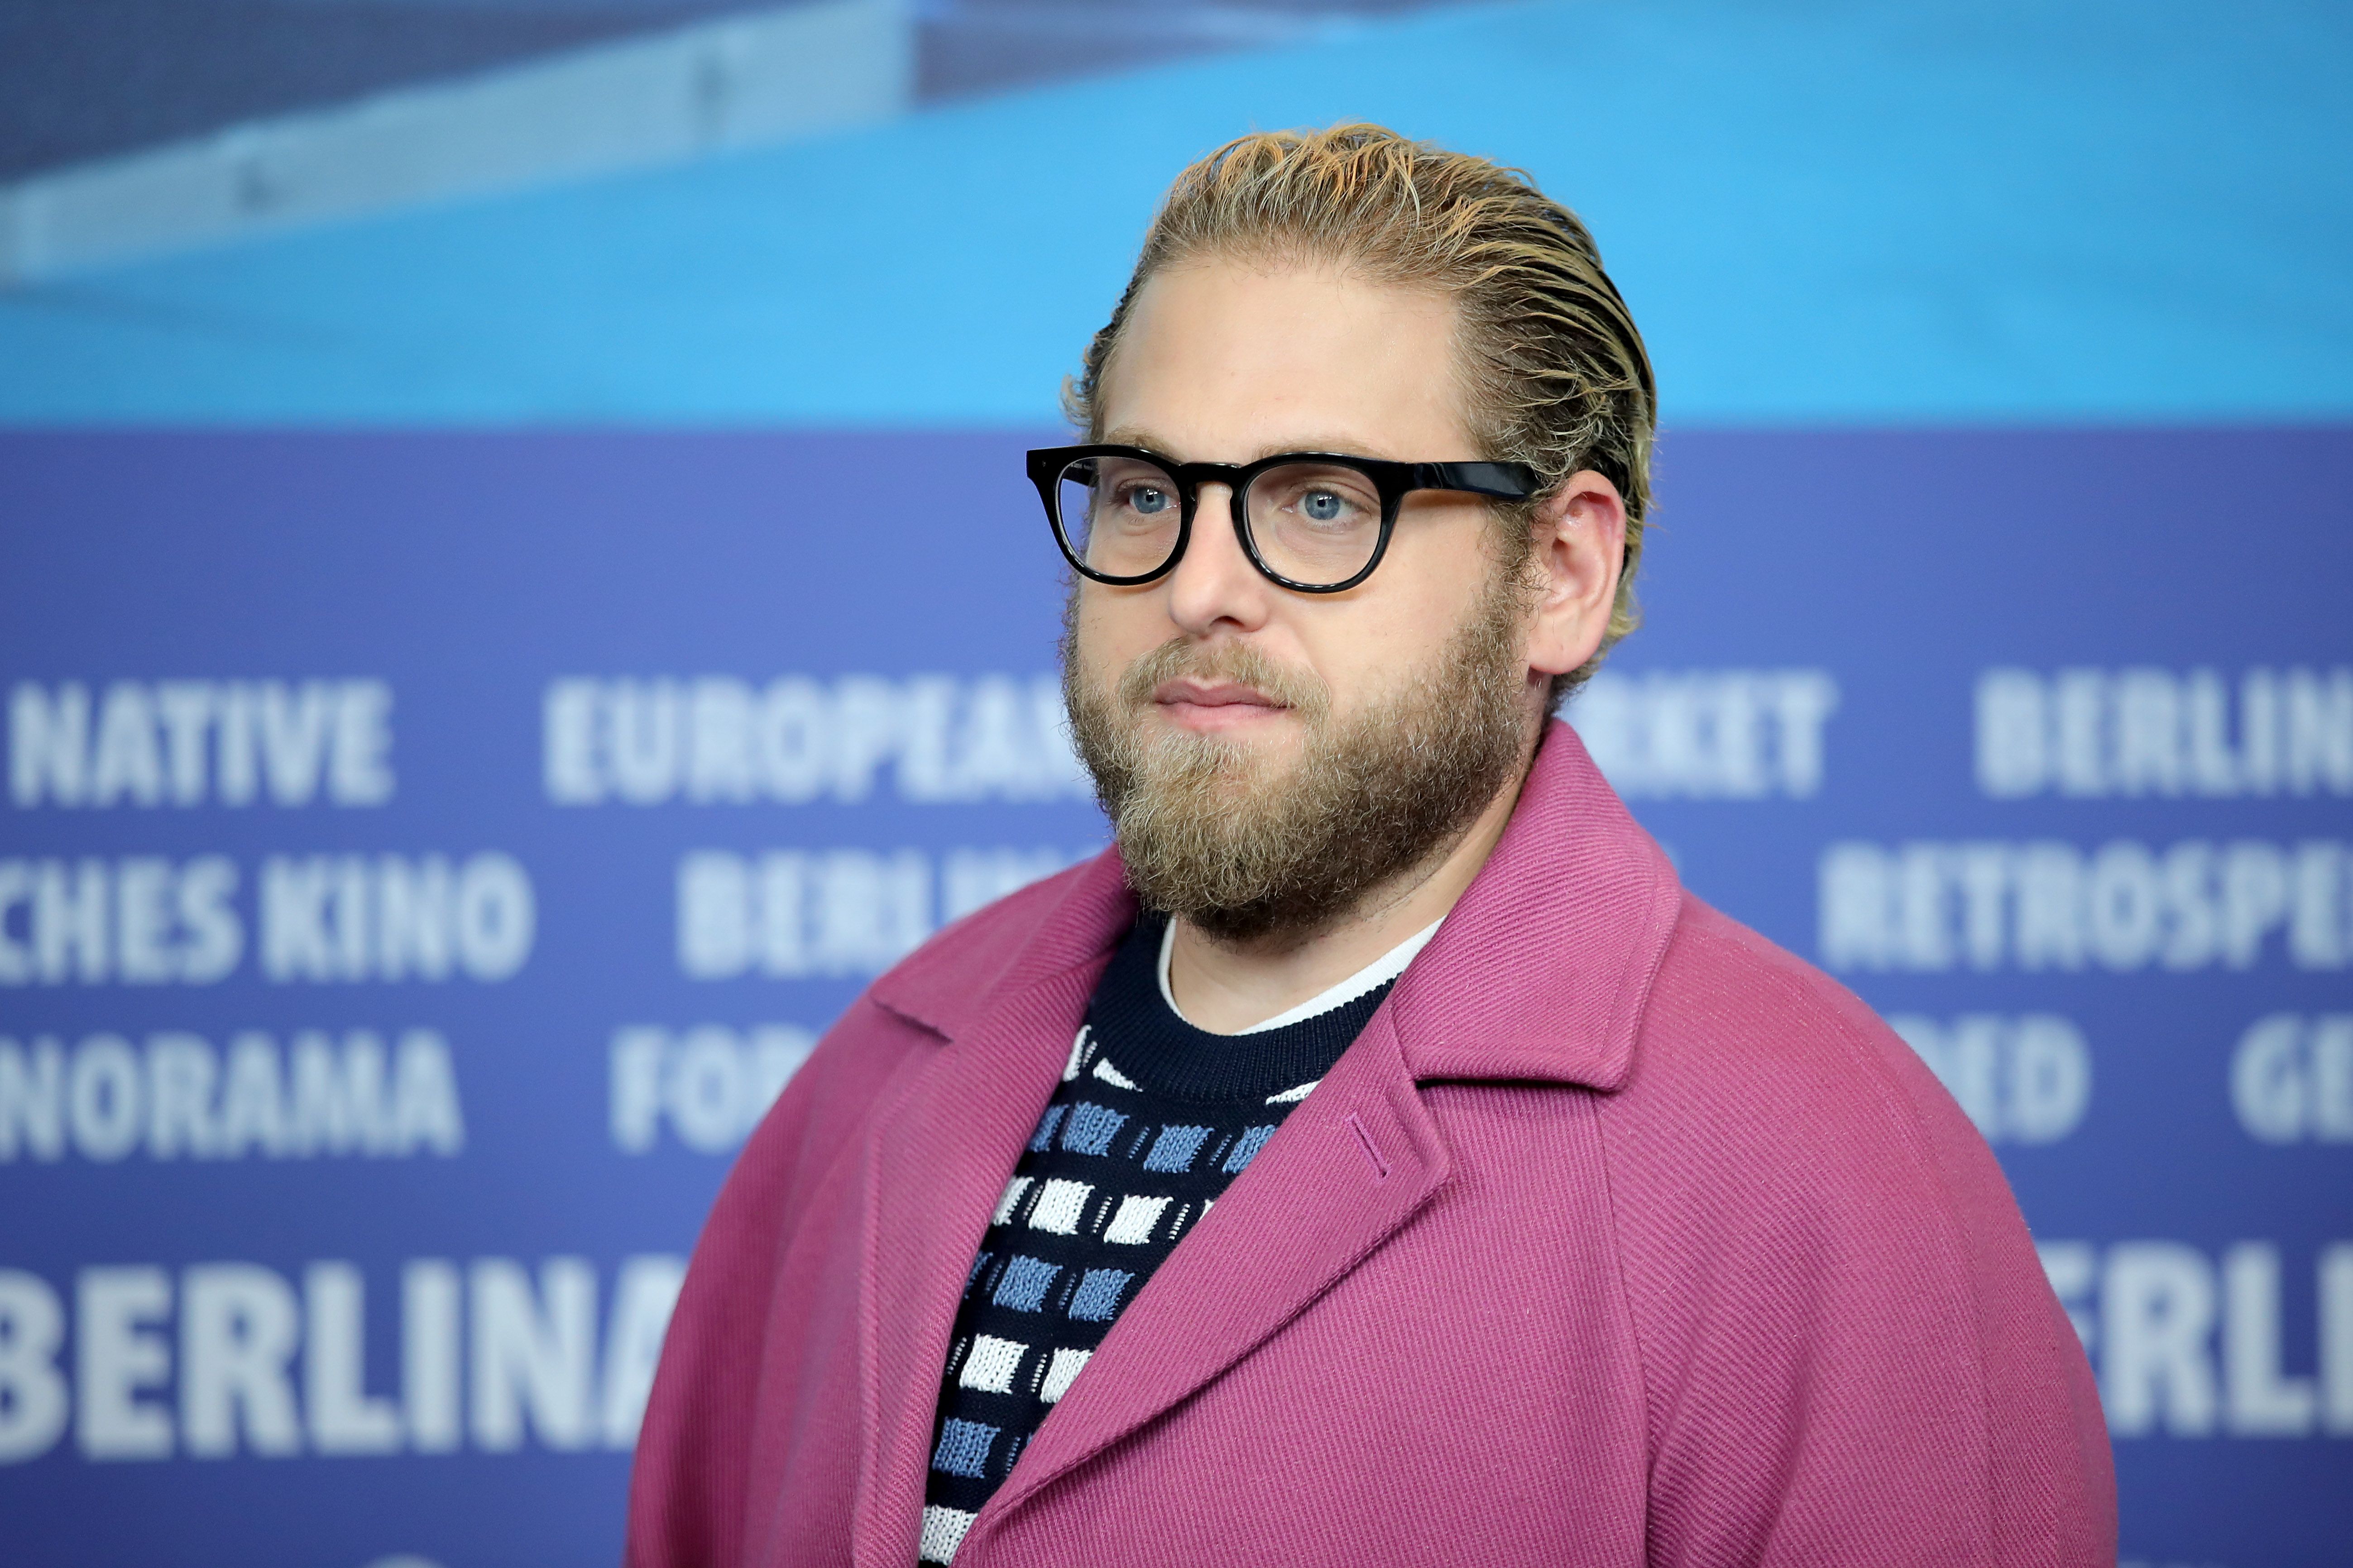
{"x":1314,"y":521}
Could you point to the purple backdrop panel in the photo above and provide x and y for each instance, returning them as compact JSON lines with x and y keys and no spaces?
{"x":423,"y":856}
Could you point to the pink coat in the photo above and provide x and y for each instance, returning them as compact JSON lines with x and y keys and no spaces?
{"x":1618,"y":1237}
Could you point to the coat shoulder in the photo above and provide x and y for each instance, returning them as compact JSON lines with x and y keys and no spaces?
{"x":1769,"y":1109}
{"x":1738,"y":1022}
{"x":1824,"y":1260}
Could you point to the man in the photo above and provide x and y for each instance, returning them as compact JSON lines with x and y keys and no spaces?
{"x":1375,"y":1157}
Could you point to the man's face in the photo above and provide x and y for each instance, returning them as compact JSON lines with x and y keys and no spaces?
{"x":1223,"y":363}
{"x":1271,"y":755}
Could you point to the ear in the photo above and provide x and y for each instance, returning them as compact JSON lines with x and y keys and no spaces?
{"x":1580,"y":550}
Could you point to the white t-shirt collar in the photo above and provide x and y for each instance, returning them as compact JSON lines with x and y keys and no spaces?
{"x":1374,"y":975}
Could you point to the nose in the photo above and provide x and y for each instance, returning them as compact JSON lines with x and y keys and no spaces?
{"x":1214,"y":587}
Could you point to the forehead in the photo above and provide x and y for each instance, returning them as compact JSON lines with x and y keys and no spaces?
{"x":1221,"y":360}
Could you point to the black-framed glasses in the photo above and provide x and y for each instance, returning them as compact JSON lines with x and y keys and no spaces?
{"x":1314,"y":521}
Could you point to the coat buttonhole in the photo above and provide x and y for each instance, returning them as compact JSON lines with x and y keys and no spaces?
{"x":1364,"y":1141}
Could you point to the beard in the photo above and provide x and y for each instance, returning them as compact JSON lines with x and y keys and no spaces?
{"x":1248,"y":848}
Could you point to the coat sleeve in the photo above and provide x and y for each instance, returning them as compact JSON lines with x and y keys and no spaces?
{"x":689,"y":1484}
{"x":1850,"y":1353}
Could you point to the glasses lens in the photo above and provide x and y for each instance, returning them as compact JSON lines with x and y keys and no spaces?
{"x":1316,"y":523}
{"x":1120,"y":515}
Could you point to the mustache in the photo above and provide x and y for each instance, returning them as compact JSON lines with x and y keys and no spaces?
{"x":1181,"y":659}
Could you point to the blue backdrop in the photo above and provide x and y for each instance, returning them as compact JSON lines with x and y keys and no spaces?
{"x":485,"y":687}
{"x":590,"y":775}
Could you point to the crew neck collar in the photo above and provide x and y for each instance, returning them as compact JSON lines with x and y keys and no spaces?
{"x":1372,"y":977}
{"x":1146,"y":1043}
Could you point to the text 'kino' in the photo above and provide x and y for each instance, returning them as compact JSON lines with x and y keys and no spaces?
{"x":719,"y":740}
{"x":2145,"y":731}
{"x":235,"y":1357}
{"x":147,"y":921}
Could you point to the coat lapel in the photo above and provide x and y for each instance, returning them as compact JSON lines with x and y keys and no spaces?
{"x":1357,"y":1160}
{"x":937,"y":1160}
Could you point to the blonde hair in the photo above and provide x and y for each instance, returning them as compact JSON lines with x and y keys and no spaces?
{"x":1554,"y":372}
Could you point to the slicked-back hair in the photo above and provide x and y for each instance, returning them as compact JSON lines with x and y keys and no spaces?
{"x":1552,"y":372}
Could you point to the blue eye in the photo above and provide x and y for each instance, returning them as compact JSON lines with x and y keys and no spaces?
{"x":1321,"y":506}
{"x":1148,"y":499}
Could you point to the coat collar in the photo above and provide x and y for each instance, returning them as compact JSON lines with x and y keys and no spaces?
{"x":1541,"y":969}
{"x":1539,"y":973}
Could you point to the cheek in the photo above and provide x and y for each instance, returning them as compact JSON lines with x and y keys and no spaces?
{"x":1116,"y":627}
{"x":1363,"y":660}
{"x":1420,"y":600}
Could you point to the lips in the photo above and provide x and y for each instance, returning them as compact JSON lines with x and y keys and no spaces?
{"x":1193,"y":694}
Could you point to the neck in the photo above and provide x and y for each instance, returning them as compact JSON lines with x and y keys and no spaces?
{"x":1227,"y":987}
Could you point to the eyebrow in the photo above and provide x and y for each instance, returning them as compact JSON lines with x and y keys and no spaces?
{"x":1347,"y":446}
